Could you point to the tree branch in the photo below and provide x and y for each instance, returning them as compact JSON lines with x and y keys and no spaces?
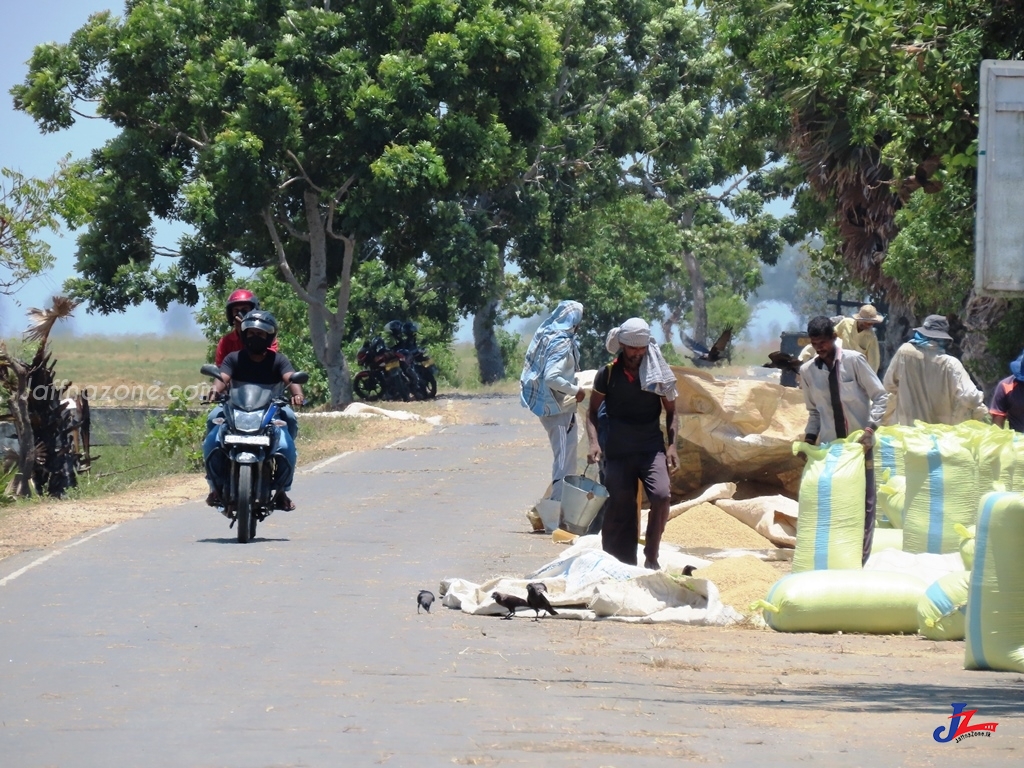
{"x":282,"y":262}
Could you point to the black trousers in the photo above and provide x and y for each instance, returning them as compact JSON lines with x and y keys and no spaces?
{"x":619,"y":531}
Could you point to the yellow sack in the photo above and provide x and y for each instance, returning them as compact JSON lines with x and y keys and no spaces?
{"x":888,"y":452}
{"x":891,"y":498}
{"x":940,"y":611}
{"x":942,"y":490}
{"x":830,"y":527}
{"x":996,"y":457}
{"x":966,"y":544}
{"x":995,"y":601}
{"x":877,"y":602}
{"x":886,"y":538}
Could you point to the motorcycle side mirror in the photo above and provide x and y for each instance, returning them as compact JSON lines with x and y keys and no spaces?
{"x":299,"y":377}
{"x":210,"y":370}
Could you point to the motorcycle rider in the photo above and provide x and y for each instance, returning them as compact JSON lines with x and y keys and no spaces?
{"x":256,"y":363}
{"x":404,"y":342}
{"x":240,"y":303}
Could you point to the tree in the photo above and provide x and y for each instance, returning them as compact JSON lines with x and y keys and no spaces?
{"x":28,"y":207}
{"x":650,"y":109}
{"x":884,"y":103}
{"x":280,"y":133}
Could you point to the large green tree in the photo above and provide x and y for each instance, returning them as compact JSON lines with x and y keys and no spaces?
{"x":649,"y":109}
{"x":281,"y":133}
{"x":883,"y":99}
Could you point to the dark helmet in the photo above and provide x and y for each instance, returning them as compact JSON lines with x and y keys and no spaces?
{"x":240,"y":296}
{"x":260,"y":320}
{"x":394,"y":328}
{"x":409,"y":328}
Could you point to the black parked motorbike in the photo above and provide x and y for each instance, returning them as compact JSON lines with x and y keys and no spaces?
{"x":383,"y":375}
{"x":251,"y":418}
{"x":419,"y":367}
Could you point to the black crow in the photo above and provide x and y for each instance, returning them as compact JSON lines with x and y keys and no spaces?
{"x":424,"y":599}
{"x":509,"y":603}
{"x":537,"y":600}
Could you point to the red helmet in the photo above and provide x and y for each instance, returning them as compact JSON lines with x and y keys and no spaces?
{"x":241,"y":296}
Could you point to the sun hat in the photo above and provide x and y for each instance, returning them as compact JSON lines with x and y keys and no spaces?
{"x":935,"y":327}
{"x":868,"y":314}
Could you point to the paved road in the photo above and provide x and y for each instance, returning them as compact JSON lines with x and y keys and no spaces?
{"x":162,"y":642}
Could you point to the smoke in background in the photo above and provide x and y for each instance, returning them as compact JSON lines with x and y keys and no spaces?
{"x":178,"y":320}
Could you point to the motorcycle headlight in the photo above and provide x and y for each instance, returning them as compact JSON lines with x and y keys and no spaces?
{"x":248,"y":422}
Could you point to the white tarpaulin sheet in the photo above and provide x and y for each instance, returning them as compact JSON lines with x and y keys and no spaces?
{"x":587,"y":583}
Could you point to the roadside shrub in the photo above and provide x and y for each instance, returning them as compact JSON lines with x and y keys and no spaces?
{"x":181,"y":429}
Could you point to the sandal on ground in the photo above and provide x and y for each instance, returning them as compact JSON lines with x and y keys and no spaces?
{"x":213,"y":499}
{"x":281,"y":501}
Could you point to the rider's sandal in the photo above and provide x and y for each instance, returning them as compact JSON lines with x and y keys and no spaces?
{"x":281,"y":501}
{"x":213,"y":499}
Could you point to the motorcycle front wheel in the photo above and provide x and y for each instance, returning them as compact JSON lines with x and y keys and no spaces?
{"x":246,"y":521}
{"x":368,"y":387}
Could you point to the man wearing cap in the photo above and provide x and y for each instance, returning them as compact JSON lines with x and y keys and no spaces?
{"x":857,"y":334}
{"x":1008,"y":399}
{"x":843,"y":395}
{"x":635,"y":388}
{"x":929,"y":385}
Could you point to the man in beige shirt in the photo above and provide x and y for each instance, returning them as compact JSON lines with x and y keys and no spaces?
{"x":857,"y":334}
{"x":927,"y":384}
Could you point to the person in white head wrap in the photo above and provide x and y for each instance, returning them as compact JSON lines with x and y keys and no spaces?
{"x":548,"y":386}
{"x":634,"y":390}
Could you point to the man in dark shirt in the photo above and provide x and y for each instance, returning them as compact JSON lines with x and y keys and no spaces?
{"x":1008,"y":399}
{"x":635,"y":388}
{"x":256,"y":364}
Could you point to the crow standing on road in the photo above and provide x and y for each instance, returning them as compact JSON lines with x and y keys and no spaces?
{"x":509,"y":603}
{"x":424,"y":600}
{"x":537,"y":600}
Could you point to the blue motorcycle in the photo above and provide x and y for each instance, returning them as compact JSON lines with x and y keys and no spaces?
{"x":246,"y":436}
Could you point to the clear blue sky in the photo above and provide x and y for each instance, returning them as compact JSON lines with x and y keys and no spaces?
{"x":24,"y":148}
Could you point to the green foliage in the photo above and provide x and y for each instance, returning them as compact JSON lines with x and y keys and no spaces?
{"x":934,"y":251}
{"x":513,"y":351}
{"x":29,"y":207}
{"x":180,"y":430}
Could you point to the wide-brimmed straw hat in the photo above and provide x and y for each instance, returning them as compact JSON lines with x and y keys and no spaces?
{"x":868,"y":314}
{"x":935,"y":327}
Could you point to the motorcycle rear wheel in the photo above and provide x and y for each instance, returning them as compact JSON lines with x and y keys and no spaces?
{"x":246,"y":520}
{"x":429,"y":382}
{"x":368,"y":387}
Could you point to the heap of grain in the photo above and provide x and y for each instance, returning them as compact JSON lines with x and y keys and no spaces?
{"x":742,"y":580}
{"x":708,"y":526}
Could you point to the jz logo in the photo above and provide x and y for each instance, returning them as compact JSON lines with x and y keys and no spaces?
{"x":960,"y":726}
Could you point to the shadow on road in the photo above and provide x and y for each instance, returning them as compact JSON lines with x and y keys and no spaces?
{"x":234,"y":540}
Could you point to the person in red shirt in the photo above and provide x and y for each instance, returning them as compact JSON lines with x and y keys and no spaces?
{"x":1008,"y":399}
{"x":240,"y":303}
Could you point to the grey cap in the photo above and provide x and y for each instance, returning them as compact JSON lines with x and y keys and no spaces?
{"x":935,"y":327}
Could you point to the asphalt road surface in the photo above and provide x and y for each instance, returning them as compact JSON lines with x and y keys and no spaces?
{"x":163,"y":642}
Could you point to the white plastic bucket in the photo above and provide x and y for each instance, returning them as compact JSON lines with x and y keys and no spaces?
{"x":582,"y":499}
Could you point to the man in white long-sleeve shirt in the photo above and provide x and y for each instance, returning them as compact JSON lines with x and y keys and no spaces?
{"x":843,"y":395}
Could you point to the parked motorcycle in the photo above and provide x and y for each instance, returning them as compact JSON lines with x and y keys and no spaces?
{"x":250,"y":419}
{"x":420,"y":368}
{"x":382,"y":376}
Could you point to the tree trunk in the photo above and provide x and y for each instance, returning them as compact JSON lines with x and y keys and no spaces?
{"x":700,"y":308}
{"x":980,"y":315}
{"x":899,"y":324}
{"x":21,"y":483}
{"x":485,"y":339}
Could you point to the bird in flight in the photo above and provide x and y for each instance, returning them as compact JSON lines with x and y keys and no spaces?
{"x":537,"y":600}
{"x":702,"y":356}
{"x":424,"y":600}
